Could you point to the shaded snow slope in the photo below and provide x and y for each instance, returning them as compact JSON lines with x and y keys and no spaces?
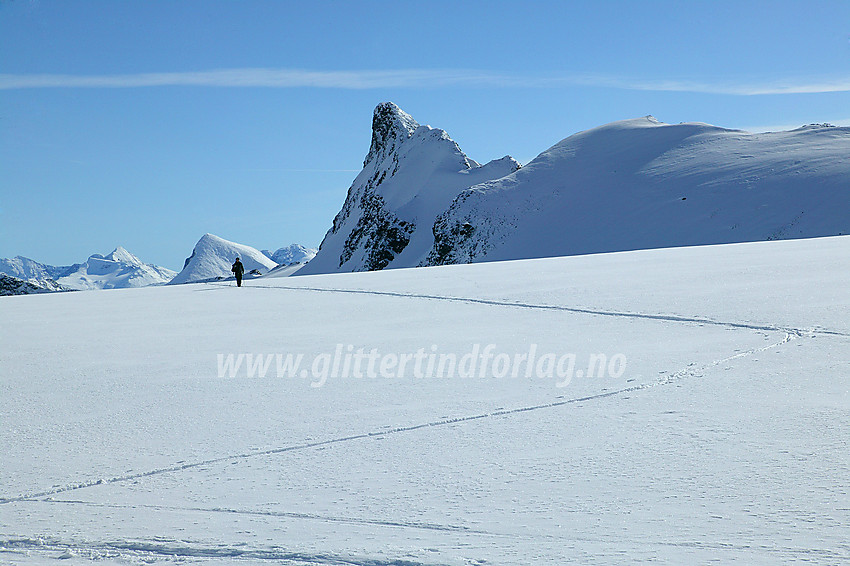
{"x":723,"y":440}
{"x":117,"y":270}
{"x":410,"y":175}
{"x":213,"y":257}
{"x":643,"y":184}
{"x":285,"y":270}
{"x":293,"y":253}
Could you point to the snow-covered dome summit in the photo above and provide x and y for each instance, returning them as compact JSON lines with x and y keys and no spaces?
{"x":212,"y":258}
{"x":641,"y":183}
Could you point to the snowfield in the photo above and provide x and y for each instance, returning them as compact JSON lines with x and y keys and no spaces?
{"x":721,"y":437}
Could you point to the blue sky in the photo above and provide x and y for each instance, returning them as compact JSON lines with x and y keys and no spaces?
{"x":148,"y":123}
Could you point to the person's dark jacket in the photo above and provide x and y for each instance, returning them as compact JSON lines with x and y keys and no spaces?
{"x":238,"y":269}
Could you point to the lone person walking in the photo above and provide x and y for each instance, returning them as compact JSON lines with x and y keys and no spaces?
{"x":238,"y":270}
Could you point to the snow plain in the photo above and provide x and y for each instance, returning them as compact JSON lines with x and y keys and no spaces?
{"x":725,"y":439}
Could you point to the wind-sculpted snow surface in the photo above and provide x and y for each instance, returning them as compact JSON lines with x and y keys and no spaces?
{"x":642,"y":184}
{"x":410,"y":175}
{"x":213,"y":257}
{"x":719,"y":438}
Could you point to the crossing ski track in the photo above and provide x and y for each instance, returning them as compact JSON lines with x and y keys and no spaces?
{"x":196,"y":550}
{"x":690,"y":371}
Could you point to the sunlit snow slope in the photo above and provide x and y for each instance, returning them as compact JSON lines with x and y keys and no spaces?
{"x":212,"y":258}
{"x":640,"y":184}
{"x":724,"y":438}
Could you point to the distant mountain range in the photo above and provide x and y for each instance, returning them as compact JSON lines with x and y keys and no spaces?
{"x":119,"y":269}
{"x":211,"y":259}
{"x":419,"y":200}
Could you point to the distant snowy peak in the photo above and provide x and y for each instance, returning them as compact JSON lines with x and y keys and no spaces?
{"x":30,"y":270}
{"x":294,"y":253}
{"x":213,"y":257}
{"x":640,"y":184}
{"x":120,"y":255}
{"x":411,"y":174}
{"x":119,"y":269}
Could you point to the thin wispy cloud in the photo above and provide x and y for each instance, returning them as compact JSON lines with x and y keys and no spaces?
{"x":784,"y":86}
{"x":412,"y":78}
{"x":283,"y":170}
{"x":271,"y":78}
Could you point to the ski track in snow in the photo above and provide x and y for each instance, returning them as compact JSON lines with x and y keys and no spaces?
{"x":578,"y":310}
{"x":162,"y":547}
{"x":282,"y":514}
{"x":183,"y":550}
{"x":692,"y":370}
{"x":180,"y":549}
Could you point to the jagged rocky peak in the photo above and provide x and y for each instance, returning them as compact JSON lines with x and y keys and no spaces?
{"x":411,"y":174}
{"x":390,"y":126}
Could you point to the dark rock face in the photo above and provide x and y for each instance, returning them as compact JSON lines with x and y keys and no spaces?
{"x":13,"y":286}
{"x":378,"y":231}
{"x":390,"y":127}
{"x":450,"y":239}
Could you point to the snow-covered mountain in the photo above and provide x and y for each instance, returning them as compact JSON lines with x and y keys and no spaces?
{"x":294,"y":253}
{"x":627,"y":185}
{"x":119,"y":269}
{"x":212,"y":258}
{"x":642,"y":184}
{"x":411,"y":174}
{"x":28,"y":269}
{"x":10,"y":285}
